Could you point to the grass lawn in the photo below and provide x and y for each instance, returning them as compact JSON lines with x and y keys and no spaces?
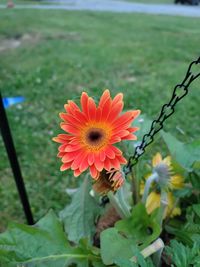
{"x":61,"y":53}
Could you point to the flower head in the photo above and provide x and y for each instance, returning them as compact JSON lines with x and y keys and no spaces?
{"x":165,"y":171}
{"x":109,"y":181}
{"x":153,"y":202}
{"x":167,"y":181}
{"x":91,"y":132}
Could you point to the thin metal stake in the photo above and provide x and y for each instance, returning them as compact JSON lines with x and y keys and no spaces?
{"x":8,"y":141}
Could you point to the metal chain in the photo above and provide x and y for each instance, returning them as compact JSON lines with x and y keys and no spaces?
{"x":167,"y":110}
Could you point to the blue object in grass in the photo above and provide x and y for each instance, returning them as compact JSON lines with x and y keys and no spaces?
{"x":9,"y":101}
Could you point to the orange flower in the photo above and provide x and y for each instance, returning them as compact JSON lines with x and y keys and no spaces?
{"x":108,"y":181}
{"x":91,"y":133}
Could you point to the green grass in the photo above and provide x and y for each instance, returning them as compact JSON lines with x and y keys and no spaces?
{"x":141,"y":55}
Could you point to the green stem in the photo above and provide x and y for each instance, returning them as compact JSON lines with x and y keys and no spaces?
{"x":133,"y":187}
{"x":163,"y":205}
{"x":115,"y":203}
{"x":154,"y":177}
{"x":123,"y":203}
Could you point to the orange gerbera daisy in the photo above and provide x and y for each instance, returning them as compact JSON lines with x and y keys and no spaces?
{"x":91,"y":133}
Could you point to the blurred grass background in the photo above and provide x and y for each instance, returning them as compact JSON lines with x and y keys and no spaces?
{"x":51,"y":56}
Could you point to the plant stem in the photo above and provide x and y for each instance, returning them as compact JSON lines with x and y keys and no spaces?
{"x":150,"y":180}
{"x":115,"y":203}
{"x":156,"y":246}
{"x":123,"y":203}
{"x":163,"y":205}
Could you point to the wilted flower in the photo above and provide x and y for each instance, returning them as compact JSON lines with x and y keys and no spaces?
{"x":91,"y":133}
{"x":108,"y":181}
{"x":166,"y":180}
{"x":153,"y":202}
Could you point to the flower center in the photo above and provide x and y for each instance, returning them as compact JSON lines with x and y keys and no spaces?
{"x":95,"y":137}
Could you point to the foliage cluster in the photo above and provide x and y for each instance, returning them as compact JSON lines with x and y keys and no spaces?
{"x":70,"y":239}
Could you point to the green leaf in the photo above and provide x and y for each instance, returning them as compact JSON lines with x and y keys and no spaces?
{"x":185,"y":154}
{"x":140,"y":227}
{"x":182,"y":256}
{"x":114,"y":245}
{"x":180,"y":233}
{"x":125,"y":263}
{"x":42,"y":245}
{"x":120,"y":242}
{"x":196,"y":208}
{"x":141,"y":261}
{"x":79,"y":217}
{"x":144,"y":124}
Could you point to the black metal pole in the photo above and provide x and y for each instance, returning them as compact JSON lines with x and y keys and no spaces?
{"x":9,"y":144}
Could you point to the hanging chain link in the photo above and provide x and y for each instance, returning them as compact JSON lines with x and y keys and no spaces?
{"x":167,"y":110}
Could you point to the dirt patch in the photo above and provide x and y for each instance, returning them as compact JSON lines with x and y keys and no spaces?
{"x":18,"y":40}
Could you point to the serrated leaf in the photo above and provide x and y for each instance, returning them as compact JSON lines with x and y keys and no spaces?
{"x":182,"y":256}
{"x":79,"y":217}
{"x":114,"y":245}
{"x":140,"y":227}
{"x":42,"y":245}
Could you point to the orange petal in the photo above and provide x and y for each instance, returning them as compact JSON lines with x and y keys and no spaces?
{"x":71,"y":119}
{"x":70,"y":156}
{"x":84,"y":163}
{"x":84,"y":102}
{"x":80,"y":116}
{"x":62,"y":148}
{"x":124,"y":118}
{"x":109,"y":152}
{"x":58,"y":140}
{"x":78,"y":159}
{"x":102,"y":155}
{"x":121,"y":159}
{"x":60,"y":154}
{"x":98,"y":114}
{"x":115,"y":111}
{"x":107,"y":164}
{"x":117,"y":151}
{"x":91,"y":158}
{"x":77,"y":173}
{"x":122,"y":133}
{"x":71,"y":107}
{"x":133,"y":129}
{"x":104,"y":97}
{"x":91,"y":109}
{"x":130,"y":137}
{"x":72,"y":148}
{"x":74,"y":142}
{"x":115,"y":139}
{"x":98,"y":163}
{"x":94,"y":173}
{"x":118,"y":98}
{"x":69,"y":128}
{"x":106,"y":109}
{"x":115,"y":163}
{"x":65,"y":166}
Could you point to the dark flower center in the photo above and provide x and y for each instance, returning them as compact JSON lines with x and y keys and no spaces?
{"x":95,"y":136}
